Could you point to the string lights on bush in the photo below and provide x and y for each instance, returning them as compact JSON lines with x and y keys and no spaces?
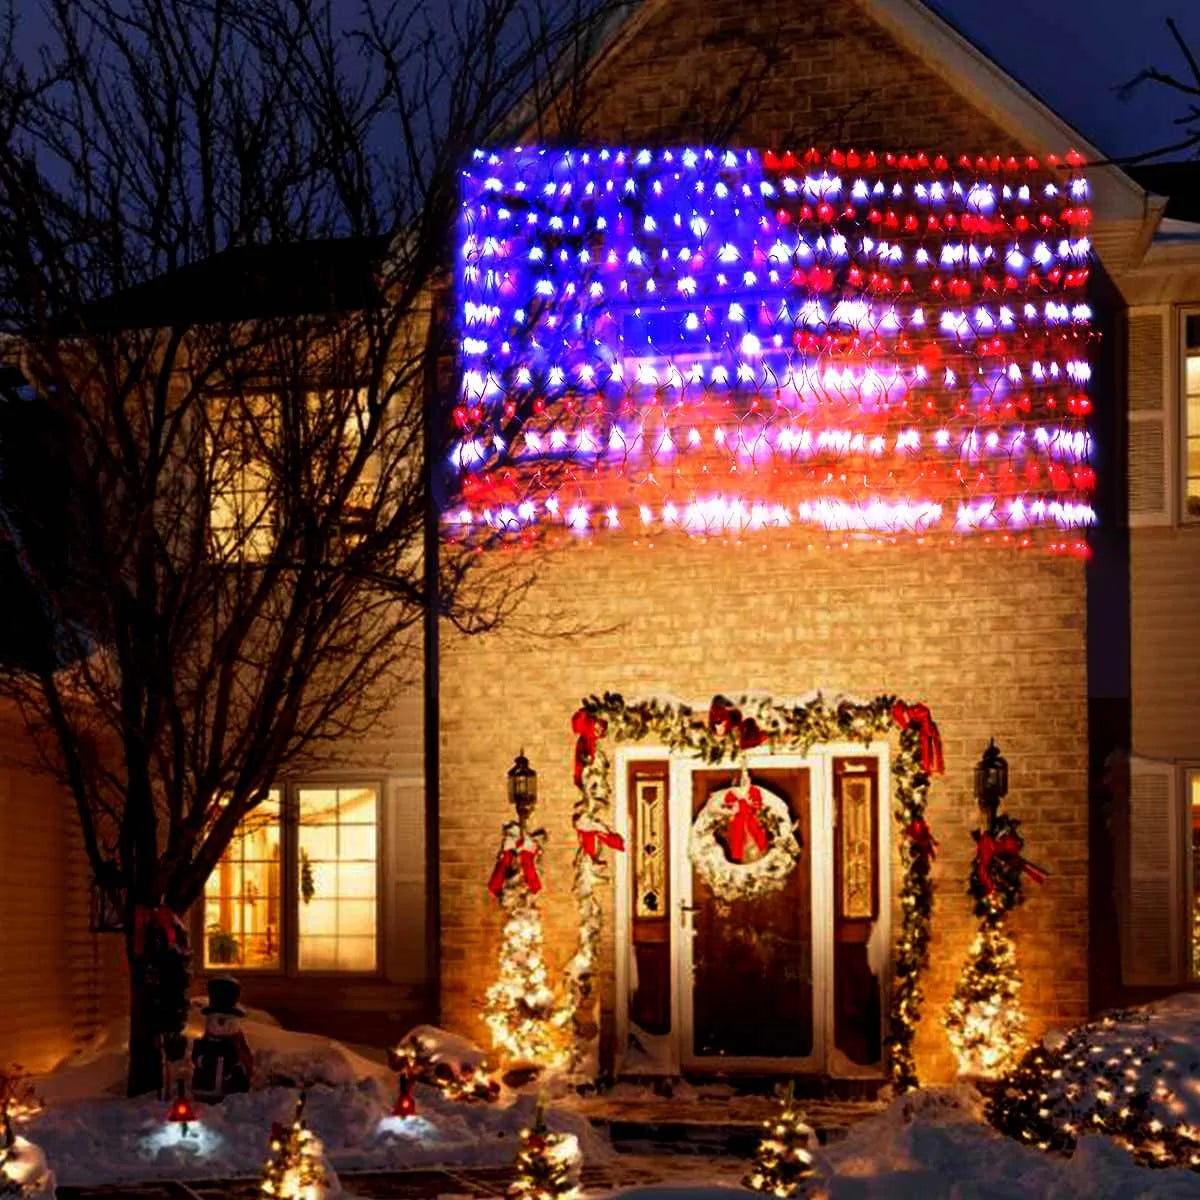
{"x":725,"y":341}
{"x":295,"y":1167}
{"x":548,"y":1164}
{"x":1124,"y":1077}
{"x":783,"y":1160}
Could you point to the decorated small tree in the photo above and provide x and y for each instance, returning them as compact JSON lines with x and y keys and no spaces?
{"x":783,"y":1159}
{"x":520,"y":1006}
{"x":295,"y":1168}
{"x":23,"y":1170}
{"x":548,"y":1164}
{"x":984,"y":1020}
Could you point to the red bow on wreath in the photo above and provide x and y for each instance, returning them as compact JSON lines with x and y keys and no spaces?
{"x":528,"y":864}
{"x":1008,"y":849}
{"x":592,"y":837}
{"x":589,"y":729}
{"x":922,"y":838}
{"x":745,"y":823}
{"x":931,"y":741}
{"x":144,"y":919}
{"x":723,"y":719}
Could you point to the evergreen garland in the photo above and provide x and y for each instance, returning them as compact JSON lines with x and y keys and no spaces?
{"x":724,"y":733}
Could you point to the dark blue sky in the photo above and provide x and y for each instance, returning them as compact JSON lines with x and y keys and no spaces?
{"x":1075,"y":53}
{"x":1072,"y":53}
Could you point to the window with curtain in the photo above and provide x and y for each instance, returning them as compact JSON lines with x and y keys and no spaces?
{"x":243,"y":897}
{"x":327,"y":920}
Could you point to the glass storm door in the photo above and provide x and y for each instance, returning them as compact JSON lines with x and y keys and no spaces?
{"x":751,"y":988}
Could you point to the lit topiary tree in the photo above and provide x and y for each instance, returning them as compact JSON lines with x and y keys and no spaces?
{"x":784,"y":1159}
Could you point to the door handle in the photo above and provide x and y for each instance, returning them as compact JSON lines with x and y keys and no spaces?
{"x":684,"y":909}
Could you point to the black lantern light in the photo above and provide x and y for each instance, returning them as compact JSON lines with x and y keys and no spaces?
{"x":522,"y":785}
{"x":991,"y":777}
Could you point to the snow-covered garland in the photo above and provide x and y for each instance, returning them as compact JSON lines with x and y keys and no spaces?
{"x":726,"y":733}
{"x":735,"y":815}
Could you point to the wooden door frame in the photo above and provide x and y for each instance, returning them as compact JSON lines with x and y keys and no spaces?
{"x":818,"y":843}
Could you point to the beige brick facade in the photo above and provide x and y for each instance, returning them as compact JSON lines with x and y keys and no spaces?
{"x":993,"y":641}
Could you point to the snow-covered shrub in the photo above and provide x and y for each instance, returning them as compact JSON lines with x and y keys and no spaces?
{"x":1132,"y":1076}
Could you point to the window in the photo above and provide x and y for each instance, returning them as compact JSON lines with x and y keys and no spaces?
{"x":338,"y":867}
{"x":242,"y":896}
{"x":1191,"y":416}
{"x":1193,"y":827}
{"x":240,"y":436}
{"x":297,"y":888}
{"x":249,"y":460}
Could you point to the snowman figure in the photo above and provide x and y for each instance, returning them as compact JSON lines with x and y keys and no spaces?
{"x":221,"y":1059}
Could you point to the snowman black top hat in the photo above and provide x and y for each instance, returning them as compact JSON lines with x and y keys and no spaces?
{"x":223,"y":992}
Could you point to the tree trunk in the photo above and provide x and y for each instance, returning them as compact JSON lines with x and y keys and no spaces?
{"x":157,"y":949}
{"x":145,"y":1043}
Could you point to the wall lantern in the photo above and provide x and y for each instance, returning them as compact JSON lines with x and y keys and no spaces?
{"x":991,"y":777}
{"x":522,"y":785}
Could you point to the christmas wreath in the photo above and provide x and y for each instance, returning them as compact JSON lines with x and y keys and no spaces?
{"x":743,"y":843}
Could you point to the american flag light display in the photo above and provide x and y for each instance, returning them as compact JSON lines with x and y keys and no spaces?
{"x":724,"y":341}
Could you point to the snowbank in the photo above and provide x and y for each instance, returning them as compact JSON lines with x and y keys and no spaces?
{"x":935,"y":1144}
{"x":92,"y":1134}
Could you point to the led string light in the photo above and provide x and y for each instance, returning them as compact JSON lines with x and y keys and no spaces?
{"x":648,"y":332}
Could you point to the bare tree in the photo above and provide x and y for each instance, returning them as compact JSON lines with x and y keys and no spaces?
{"x":224,"y":232}
{"x":1185,"y":84}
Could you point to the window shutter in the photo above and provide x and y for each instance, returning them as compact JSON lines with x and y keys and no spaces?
{"x":1152,"y":942}
{"x":1151,"y":372}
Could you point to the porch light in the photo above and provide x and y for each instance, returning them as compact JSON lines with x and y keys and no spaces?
{"x":991,"y":777}
{"x":522,"y":784}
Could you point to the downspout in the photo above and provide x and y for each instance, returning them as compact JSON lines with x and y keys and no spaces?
{"x":432,"y":680}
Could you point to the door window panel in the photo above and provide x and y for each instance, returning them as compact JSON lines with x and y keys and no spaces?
{"x":337,"y":840}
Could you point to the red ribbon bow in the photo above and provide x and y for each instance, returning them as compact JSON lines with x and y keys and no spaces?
{"x":528,"y":864}
{"x":922,"y":838}
{"x":589,"y":729}
{"x":723,"y":719}
{"x":745,"y":823}
{"x":905,"y":715}
{"x":1007,"y":847}
{"x":145,"y":918}
{"x":592,"y":839}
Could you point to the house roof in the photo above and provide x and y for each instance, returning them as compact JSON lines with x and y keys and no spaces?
{"x":979,"y":80}
{"x":245,"y":283}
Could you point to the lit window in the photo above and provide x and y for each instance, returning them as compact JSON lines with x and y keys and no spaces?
{"x":240,"y":440}
{"x":338,"y":878}
{"x":1191,"y":417}
{"x":1193,"y":813}
{"x":242,"y":896}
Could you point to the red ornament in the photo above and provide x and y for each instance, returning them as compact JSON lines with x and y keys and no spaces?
{"x":406,"y":1105}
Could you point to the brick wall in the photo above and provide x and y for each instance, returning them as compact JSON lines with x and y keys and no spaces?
{"x":60,"y":985}
{"x":993,"y":641}
{"x":775,"y":74}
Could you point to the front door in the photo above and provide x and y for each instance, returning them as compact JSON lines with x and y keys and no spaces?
{"x":790,"y":979}
{"x":750,"y":977}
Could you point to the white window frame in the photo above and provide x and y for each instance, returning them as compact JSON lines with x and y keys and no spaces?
{"x":1179,"y":426}
{"x":289,"y":883}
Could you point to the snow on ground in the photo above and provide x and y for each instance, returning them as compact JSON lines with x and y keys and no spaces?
{"x":929,"y":1145}
{"x":92,"y":1134}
